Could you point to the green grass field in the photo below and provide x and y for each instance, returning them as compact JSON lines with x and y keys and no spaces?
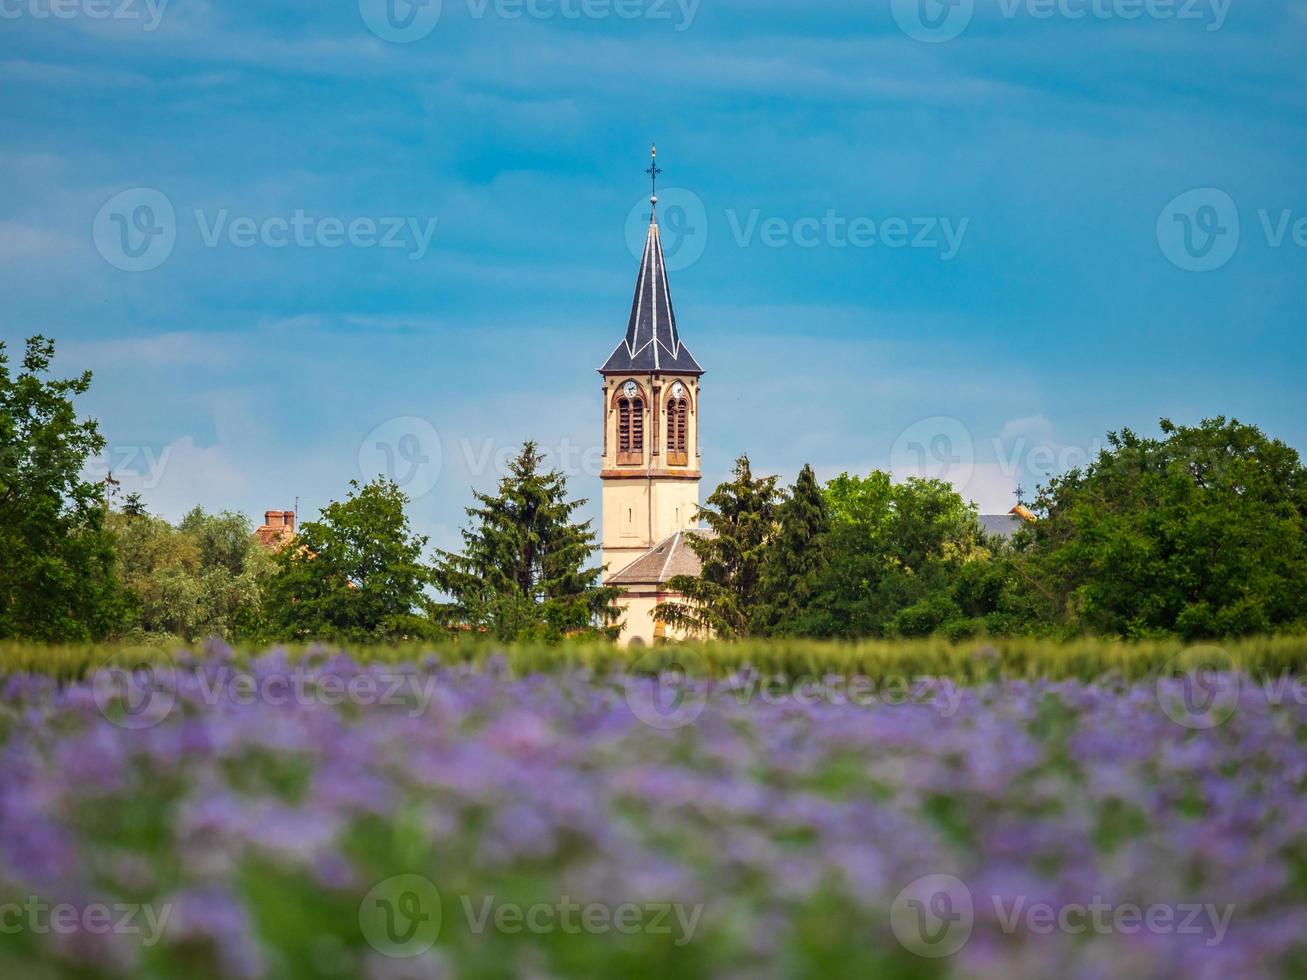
{"x":1084,"y":660}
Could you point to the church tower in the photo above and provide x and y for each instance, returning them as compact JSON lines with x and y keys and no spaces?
{"x":651,"y":467}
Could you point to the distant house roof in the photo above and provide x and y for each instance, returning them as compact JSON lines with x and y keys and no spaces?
{"x":663,"y":562}
{"x":652,"y":342}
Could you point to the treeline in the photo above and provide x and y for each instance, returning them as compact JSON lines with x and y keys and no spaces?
{"x":1199,"y":532}
{"x":75,"y":566}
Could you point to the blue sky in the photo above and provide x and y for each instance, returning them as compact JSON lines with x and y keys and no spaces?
{"x":939,"y":238}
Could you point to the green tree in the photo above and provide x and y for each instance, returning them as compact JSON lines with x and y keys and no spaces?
{"x":354,"y":575}
{"x":795,"y":558}
{"x":1200,"y":533}
{"x":726,"y":597}
{"x":134,"y":506}
{"x":204,"y":577}
{"x":906,"y":559}
{"x":522,"y":572}
{"x":57,"y":561}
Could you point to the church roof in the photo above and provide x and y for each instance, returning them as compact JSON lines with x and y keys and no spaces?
{"x":652,"y":342}
{"x":663,"y":562}
{"x":1002,"y":525}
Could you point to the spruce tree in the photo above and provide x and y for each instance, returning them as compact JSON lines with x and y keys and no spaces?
{"x":723,"y":599}
{"x":522,"y":572}
{"x":795,"y":558}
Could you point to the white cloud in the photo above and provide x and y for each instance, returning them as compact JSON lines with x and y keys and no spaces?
{"x":174,"y":349}
{"x":25,"y":243}
{"x":175,"y":478}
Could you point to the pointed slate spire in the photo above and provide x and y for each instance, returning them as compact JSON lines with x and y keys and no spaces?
{"x":652,"y":343}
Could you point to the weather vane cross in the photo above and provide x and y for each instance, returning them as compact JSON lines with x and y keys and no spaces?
{"x":653,"y":172}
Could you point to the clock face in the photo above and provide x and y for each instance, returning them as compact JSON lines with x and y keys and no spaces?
{"x":678,"y":390}
{"x":630,"y":390}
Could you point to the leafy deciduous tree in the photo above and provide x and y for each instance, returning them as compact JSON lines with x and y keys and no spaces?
{"x":353,"y":575}
{"x":57,"y":579}
{"x":1202,"y":532}
{"x":204,"y":577}
{"x":898,"y":555}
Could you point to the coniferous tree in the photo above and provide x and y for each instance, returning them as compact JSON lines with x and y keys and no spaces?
{"x":723,"y":600}
{"x":134,"y":506}
{"x":523,"y":569}
{"x":795,"y":559}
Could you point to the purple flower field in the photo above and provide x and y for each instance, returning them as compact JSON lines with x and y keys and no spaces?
{"x":328,"y":819}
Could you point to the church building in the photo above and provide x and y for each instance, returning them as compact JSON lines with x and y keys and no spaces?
{"x":651,"y":470}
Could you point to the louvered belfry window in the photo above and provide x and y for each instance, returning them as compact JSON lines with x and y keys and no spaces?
{"x":678,"y":432}
{"x":630,"y":430}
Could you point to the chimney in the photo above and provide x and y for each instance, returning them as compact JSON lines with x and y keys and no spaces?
{"x":271,"y":517}
{"x":288,"y":520}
